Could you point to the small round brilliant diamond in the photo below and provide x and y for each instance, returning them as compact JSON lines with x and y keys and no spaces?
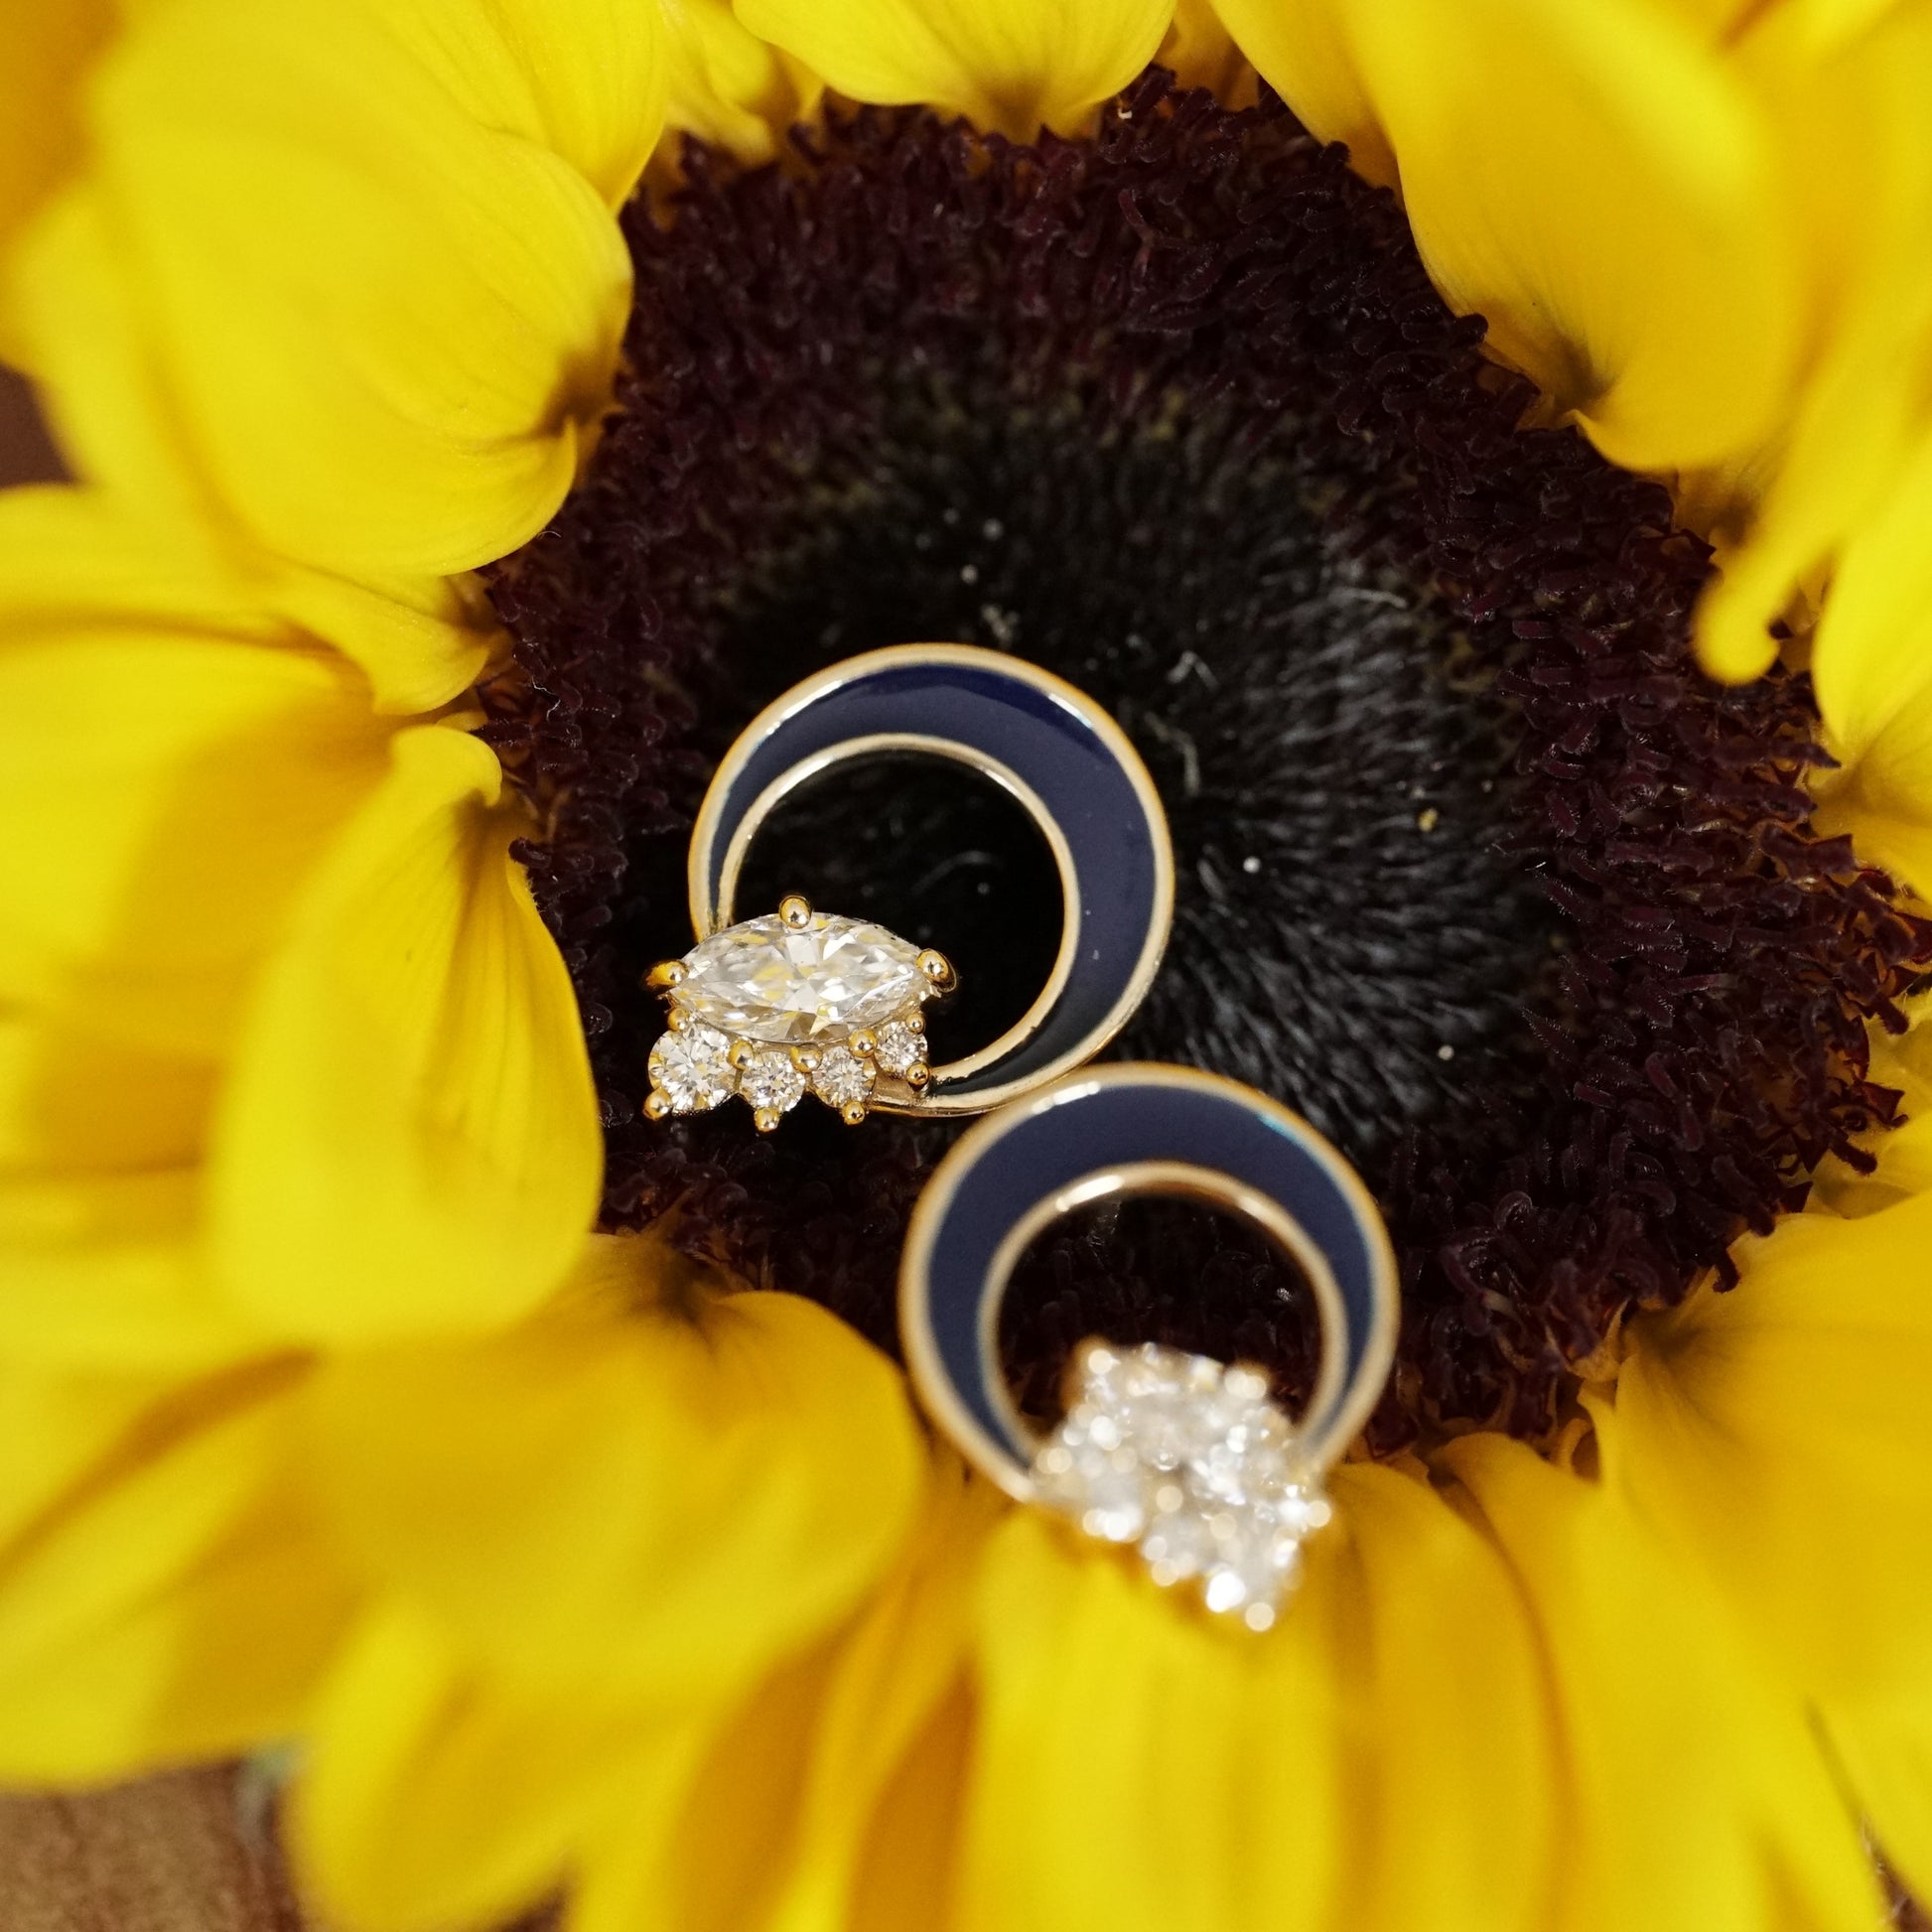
{"x":770,"y":1083}
{"x":841,"y":1077}
{"x":902,"y":1047}
{"x":1192,"y":1461}
{"x":691,"y":1070}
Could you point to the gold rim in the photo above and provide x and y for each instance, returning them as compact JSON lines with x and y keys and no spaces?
{"x":934,"y":1386}
{"x":704,"y":837}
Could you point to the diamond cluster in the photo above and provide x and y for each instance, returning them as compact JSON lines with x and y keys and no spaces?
{"x":797,"y":1002}
{"x":1191,"y":1461}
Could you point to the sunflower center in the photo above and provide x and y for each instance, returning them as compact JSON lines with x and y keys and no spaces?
{"x":1473,"y":868}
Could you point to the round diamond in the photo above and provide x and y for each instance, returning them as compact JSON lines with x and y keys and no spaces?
{"x":766,"y":980}
{"x":841,"y":1077}
{"x":770,"y":1083}
{"x":691,"y":1070}
{"x":1192,"y":1461}
{"x":902,"y":1047}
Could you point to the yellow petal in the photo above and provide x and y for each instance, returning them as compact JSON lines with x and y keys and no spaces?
{"x":197,"y":782}
{"x":1903,"y":1153}
{"x":803,"y":1767}
{"x":170,"y":1599}
{"x":726,"y":85}
{"x":583,"y":78}
{"x":1011,"y":65}
{"x":106,"y":1271}
{"x":384,"y":326}
{"x":1780,"y":1432}
{"x":43,"y":53}
{"x":1872,"y":665}
{"x":1594,"y":181}
{"x":1445,"y":1706}
{"x":1201,"y":53}
{"x":1886,"y":1752}
{"x":435,"y":1793}
{"x":909,"y":1867}
{"x":1304,"y":52}
{"x":74,"y":1103}
{"x":1859,"y":155}
{"x":1698,"y":1792}
{"x":1874,"y":683}
{"x":78,"y":557}
{"x":1137,"y":1767}
{"x":164,"y":541}
{"x":625,"y":1495}
{"x":410,"y":1136}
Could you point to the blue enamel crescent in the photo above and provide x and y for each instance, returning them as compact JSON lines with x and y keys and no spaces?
{"x":1184,"y":1456}
{"x":749,"y":1008}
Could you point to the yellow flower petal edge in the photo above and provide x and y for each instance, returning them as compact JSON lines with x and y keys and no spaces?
{"x":1445,"y":1723}
{"x":806,"y":1766}
{"x":1201,"y":53}
{"x":1886,"y":1752}
{"x":44,"y":52}
{"x":436,"y":1793}
{"x":1697,"y":1789}
{"x":1860,"y":146}
{"x":385,"y":327}
{"x":102,"y":1271}
{"x":584,"y":79}
{"x":420,"y":639}
{"x":1134,"y":1768}
{"x":198,"y":778}
{"x":409,"y":1138}
{"x":728,"y":86}
{"x":1304,"y":52}
{"x":651,"y":1489}
{"x":169,"y":1596}
{"x":1780,"y":1432}
{"x":1011,"y":65}
{"x":1593,"y":180}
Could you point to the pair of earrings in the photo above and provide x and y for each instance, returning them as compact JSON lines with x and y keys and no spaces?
{"x":1186,"y":1458}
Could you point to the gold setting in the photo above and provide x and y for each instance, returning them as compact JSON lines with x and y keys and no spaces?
{"x":1006,"y":1458}
{"x":723,"y":835}
{"x":843,"y":1071}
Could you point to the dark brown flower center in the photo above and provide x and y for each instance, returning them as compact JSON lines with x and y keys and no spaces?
{"x":1474,"y":868}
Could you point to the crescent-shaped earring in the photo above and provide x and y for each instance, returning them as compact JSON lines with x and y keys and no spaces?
{"x":1187,"y":1457}
{"x":806,"y":1000}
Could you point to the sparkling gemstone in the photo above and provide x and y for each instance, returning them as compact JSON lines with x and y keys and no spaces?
{"x":1192,"y":1461}
{"x":841,"y":1077}
{"x":770,"y":1083}
{"x":766,"y":980}
{"x":902,"y":1047}
{"x":690,"y":1069}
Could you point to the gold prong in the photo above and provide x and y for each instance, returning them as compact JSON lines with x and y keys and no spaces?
{"x":766,"y":1118}
{"x":666,"y":973}
{"x":741,"y":1053}
{"x":658,"y":1104}
{"x":805,"y":1059}
{"x":938,"y":969}
{"x":864,"y":1042}
{"x":677,"y":1020}
{"x":795,"y":911}
{"x":917,"y":1076}
{"x":853,"y":1112}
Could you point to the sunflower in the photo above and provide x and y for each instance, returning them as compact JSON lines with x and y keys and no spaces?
{"x":531,"y":1483}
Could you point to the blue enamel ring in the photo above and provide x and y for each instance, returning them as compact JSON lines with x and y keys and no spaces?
{"x":805,"y":1000}
{"x":1187,"y":1457}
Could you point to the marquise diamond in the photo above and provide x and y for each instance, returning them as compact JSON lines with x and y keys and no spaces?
{"x":766,"y":980}
{"x":1191,"y":1461}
